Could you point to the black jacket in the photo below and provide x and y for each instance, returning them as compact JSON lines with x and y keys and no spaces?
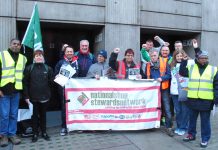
{"x":37,"y":82}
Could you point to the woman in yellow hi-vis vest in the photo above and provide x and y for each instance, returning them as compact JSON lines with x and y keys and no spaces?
{"x":202,"y":91}
{"x":12,"y":65}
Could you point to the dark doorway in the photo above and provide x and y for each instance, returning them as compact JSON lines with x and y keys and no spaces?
{"x":54,"y":35}
{"x":171,"y":37}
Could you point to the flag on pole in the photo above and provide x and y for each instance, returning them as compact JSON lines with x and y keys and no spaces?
{"x":33,"y":36}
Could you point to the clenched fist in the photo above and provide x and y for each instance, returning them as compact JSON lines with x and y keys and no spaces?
{"x":117,"y":50}
{"x":144,"y":46}
{"x":195,"y":43}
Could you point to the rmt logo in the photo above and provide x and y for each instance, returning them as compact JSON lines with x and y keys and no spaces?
{"x":83,"y":99}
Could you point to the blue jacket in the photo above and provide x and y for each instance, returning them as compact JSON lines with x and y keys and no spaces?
{"x":155,"y":73}
{"x":84,"y":61}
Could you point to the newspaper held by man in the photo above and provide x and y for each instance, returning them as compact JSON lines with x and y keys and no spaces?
{"x":65,"y":73}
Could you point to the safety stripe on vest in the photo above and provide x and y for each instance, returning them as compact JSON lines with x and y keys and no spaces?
{"x":17,"y":71}
{"x":5,"y":77}
{"x":7,"y":68}
{"x":18,"y":80}
{"x":200,"y":89}
{"x":201,"y":80}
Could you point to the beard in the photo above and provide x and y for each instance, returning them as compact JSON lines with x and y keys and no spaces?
{"x":15,"y":50}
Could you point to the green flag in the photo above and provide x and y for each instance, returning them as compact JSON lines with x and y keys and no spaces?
{"x":33,"y":37}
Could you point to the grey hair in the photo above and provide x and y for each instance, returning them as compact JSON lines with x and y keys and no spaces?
{"x":178,"y":42}
{"x":153,"y":50}
{"x":84,"y":41}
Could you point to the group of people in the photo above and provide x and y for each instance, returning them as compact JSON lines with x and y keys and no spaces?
{"x":192,"y":84}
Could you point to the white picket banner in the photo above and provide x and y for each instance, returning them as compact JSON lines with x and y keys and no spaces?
{"x":107,"y":104}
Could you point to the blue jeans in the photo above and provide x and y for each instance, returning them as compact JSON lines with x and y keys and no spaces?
{"x":185,"y":113}
{"x":182,"y":113}
{"x":177,"y":108}
{"x":166,"y":105}
{"x":8,"y":114}
{"x":205,"y":124}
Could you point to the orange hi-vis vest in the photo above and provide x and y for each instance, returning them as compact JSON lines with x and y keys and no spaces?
{"x":121,"y":71}
{"x":163,"y":63}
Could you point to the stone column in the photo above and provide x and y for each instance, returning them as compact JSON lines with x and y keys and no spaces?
{"x":209,"y":36}
{"x":7,"y":22}
{"x":122,"y":27}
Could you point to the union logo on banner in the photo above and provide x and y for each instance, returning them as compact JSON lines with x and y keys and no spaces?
{"x":83,"y":99}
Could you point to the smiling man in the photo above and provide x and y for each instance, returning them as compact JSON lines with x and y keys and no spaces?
{"x":85,"y":58}
{"x":69,"y":59}
{"x":12,"y":65}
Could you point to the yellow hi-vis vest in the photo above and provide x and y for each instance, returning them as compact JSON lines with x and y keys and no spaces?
{"x":10,"y":72}
{"x":201,"y":86}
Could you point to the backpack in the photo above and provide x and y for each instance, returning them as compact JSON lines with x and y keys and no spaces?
{"x":46,"y":67}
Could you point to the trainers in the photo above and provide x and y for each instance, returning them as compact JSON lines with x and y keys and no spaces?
{"x":188,"y":138}
{"x":63,"y":132}
{"x":204,"y":144}
{"x":181,"y":132}
{"x":4,"y":141}
{"x":176,"y":131}
{"x":15,"y":140}
{"x":170,"y":132}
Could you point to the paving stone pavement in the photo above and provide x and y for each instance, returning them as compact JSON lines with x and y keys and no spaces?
{"x":154,"y":139}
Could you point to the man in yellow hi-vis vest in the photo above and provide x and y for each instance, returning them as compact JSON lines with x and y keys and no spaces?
{"x":12,"y":64}
{"x":202,"y":91}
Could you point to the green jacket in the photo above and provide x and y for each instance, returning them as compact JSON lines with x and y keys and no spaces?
{"x":145,"y":55}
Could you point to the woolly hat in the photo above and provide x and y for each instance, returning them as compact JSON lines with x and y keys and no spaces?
{"x":202,"y":53}
{"x":103,"y":53}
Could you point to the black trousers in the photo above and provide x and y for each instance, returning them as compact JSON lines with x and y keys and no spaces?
{"x":63,"y":106}
{"x":39,"y":117}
